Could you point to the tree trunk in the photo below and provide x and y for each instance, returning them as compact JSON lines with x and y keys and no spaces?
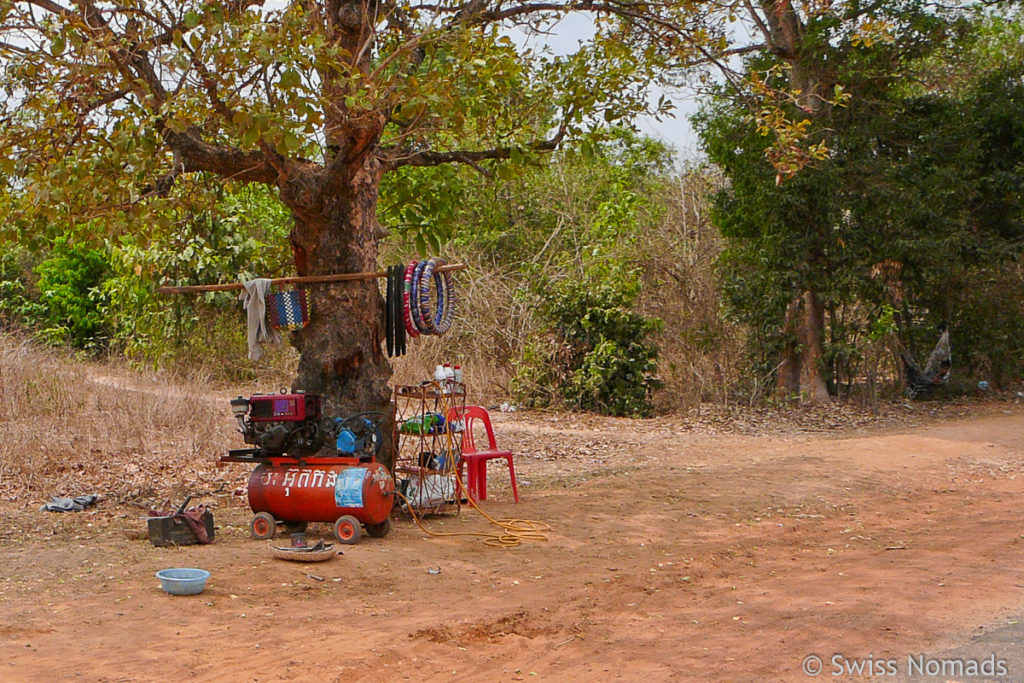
{"x":341,"y":357}
{"x":788,"y":373}
{"x":799,"y":373}
{"x":812,"y":382}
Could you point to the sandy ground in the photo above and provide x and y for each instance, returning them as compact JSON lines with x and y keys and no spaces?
{"x":673,"y":555}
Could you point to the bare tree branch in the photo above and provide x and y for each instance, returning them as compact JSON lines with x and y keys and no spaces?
{"x":14,"y":48}
{"x":758,"y":21}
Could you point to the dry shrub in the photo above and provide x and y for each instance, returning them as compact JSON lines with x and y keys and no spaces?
{"x":702,"y":355}
{"x":72,"y":428}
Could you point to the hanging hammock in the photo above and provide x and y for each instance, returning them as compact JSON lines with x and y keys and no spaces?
{"x":922,"y":381}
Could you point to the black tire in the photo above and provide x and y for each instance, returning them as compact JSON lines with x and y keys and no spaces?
{"x":347,"y":530}
{"x":399,"y":314}
{"x":379,"y":530}
{"x":263,"y":526}
{"x":389,"y":313}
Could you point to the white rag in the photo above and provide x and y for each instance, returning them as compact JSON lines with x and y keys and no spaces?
{"x":253,"y":299}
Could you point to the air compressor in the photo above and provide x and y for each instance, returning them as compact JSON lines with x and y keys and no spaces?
{"x":312,"y":469}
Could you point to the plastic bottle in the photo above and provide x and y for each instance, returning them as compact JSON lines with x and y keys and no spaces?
{"x":449,"y":375}
{"x":439,"y":375}
{"x":458,"y":374}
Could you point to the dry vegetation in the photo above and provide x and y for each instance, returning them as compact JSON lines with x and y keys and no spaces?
{"x":72,"y":428}
{"x":491,"y":329}
{"x":702,"y":354}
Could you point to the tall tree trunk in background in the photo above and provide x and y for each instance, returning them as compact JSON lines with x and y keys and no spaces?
{"x":812,"y":382}
{"x":800,"y":367}
{"x":799,"y":373}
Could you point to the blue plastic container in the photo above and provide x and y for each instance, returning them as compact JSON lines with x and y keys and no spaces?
{"x":183,"y":581}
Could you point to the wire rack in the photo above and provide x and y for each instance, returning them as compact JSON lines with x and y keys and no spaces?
{"x":429,"y":447}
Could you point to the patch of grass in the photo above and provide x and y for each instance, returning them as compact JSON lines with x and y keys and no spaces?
{"x":71,"y":428}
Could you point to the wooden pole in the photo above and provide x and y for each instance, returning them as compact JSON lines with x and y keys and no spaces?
{"x":305,"y":279}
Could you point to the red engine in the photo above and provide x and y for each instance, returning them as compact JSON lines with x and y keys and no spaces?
{"x":282,"y":424}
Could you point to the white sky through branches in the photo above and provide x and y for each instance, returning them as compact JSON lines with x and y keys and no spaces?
{"x":564,"y":37}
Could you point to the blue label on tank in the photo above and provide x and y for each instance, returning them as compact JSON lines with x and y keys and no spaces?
{"x":348,"y":492}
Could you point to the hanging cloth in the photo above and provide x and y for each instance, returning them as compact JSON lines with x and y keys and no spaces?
{"x":254,"y":300}
{"x":922,"y":381}
{"x":288,"y":310}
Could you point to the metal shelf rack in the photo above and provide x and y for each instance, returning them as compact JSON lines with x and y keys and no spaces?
{"x":427,"y":453}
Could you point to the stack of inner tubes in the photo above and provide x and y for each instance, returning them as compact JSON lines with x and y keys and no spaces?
{"x":419,"y":301}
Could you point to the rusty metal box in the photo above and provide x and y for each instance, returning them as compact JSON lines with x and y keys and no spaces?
{"x":170,"y":531}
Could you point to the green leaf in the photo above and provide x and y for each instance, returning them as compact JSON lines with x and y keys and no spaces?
{"x":289,"y":79}
{"x":291,"y":141}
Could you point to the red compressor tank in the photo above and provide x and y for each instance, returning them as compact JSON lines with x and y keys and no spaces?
{"x":342,"y":491}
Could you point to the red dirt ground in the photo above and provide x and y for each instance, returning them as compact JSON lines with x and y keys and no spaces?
{"x":674,"y":555}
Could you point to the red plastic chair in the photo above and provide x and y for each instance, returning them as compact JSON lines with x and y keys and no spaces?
{"x":474,"y":460}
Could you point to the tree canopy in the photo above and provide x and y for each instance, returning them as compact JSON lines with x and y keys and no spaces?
{"x":121,"y":109}
{"x":109,"y":104}
{"x":915,"y":208}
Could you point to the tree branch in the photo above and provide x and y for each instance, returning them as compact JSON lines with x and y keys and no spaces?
{"x":102,"y":100}
{"x":7,"y":47}
{"x":758,"y":21}
{"x":233,"y":164}
{"x":471,"y":157}
{"x":745,"y":50}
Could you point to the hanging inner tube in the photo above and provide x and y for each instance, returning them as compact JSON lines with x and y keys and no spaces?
{"x":438,"y":319}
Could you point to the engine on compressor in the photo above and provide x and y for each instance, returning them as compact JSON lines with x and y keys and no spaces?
{"x":292,"y":425}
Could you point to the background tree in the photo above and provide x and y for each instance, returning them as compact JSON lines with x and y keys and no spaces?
{"x":903,"y":216}
{"x":112,"y":109}
{"x":807,"y":59}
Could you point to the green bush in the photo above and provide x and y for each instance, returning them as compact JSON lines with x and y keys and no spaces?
{"x":241,"y":236}
{"x":70,"y":304}
{"x":601,"y":359}
{"x":17,"y":282}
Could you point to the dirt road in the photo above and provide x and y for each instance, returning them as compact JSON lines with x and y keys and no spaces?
{"x":674,"y":555}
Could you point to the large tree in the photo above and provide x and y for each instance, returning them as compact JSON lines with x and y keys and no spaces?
{"x":904,"y":214}
{"x":807,"y":62}
{"x":111,"y":105}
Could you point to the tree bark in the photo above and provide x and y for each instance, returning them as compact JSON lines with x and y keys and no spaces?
{"x":799,"y":373}
{"x":813,"y":346}
{"x":341,"y":357}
